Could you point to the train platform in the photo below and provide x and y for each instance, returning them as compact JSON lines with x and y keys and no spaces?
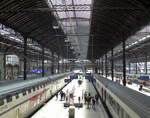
{"x":55,"y":107}
{"x":134,"y":86}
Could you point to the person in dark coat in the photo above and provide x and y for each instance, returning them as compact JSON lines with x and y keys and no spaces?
{"x":85,"y":98}
{"x":93,"y":103}
{"x":96,"y":98}
{"x":56,"y":96}
{"x":61,"y":95}
{"x":79,"y":99}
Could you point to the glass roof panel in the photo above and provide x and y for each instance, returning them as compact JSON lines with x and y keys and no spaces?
{"x":60,"y":2}
{"x":65,"y":14}
{"x":74,"y":18}
{"x":84,"y":23}
{"x":77,"y":2}
{"x":83,"y":14}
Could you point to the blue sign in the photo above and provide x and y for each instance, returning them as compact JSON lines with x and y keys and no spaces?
{"x":146,"y":78}
{"x":73,"y":77}
{"x":90,"y":78}
{"x":37,"y":71}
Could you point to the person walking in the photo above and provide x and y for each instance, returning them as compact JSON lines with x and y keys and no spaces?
{"x":61,"y":95}
{"x":79,"y":99}
{"x":56,"y":96}
{"x":85,"y":98}
{"x":93,"y":103}
{"x":96,"y":98}
{"x":64,"y":95}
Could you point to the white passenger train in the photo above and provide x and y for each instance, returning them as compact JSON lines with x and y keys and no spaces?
{"x":23,"y":98}
{"x":122,"y":102}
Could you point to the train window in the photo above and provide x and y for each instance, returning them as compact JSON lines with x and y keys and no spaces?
{"x":29,"y":90}
{"x":1,"y":102}
{"x":17,"y":95}
{"x":33,"y":88}
{"x":24,"y":93}
{"x":9,"y":98}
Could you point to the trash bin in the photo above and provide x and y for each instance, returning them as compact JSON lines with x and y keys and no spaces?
{"x":71,"y":112}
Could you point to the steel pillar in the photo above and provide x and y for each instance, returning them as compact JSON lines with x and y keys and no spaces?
{"x":136,"y":68}
{"x":124,"y":63}
{"x":146,"y":63}
{"x":129,"y":67}
{"x":25,"y":59}
{"x":43,"y":72}
{"x":112,"y":64}
{"x":4,"y":64}
{"x":106,"y":65}
{"x":102,"y":66}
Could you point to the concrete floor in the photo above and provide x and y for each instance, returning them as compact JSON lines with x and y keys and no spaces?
{"x":55,"y":107}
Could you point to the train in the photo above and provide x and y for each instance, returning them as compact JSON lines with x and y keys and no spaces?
{"x":21,"y":99}
{"x":122,"y":102}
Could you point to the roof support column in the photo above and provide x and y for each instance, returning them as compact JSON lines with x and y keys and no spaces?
{"x":136,"y":68}
{"x":106,"y":65}
{"x":25,"y":58}
{"x":96,"y":67}
{"x":124,"y":63}
{"x":112,"y":64}
{"x":99,"y":66}
{"x":4,"y":65}
{"x":102,"y":67}
{"x":129,"y":67}
{"x":43,"y":72}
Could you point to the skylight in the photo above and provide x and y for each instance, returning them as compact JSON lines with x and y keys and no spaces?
{"x":74,"y":18}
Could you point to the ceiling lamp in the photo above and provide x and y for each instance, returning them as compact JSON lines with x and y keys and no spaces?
{"x":55,"y":27}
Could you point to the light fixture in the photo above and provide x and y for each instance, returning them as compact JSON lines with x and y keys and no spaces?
{"x":66,"y":40}
{"x":55,"y":27}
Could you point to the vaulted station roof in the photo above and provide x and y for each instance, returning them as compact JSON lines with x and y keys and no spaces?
{"x":114,"y":21}
{"x":105,"y":22}
{"x":34,"y":19}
